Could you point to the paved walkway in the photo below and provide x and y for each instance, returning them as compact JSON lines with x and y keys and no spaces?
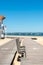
{"x":34,"y":53}
{"x":7,"y":52}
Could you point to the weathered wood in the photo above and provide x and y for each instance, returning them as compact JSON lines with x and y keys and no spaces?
{"x":34,"y":53}
{"x":7,"y":52}
{"x":20,"y":49}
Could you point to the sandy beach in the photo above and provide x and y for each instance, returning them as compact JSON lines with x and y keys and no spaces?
{"x":9,"y":38}
{"x":39,"y":38}
{"x":3,"y":41}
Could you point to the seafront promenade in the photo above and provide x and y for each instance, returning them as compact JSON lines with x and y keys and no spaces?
{"x":34,"y":53}
{"x":7,"y":52}
{"x":33,"y":48}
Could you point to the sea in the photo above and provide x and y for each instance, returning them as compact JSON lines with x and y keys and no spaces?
{"x":25,"y":34}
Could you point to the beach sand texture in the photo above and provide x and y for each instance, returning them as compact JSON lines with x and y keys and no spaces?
{"x":4,"y":41}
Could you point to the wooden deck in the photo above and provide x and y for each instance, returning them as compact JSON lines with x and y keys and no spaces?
{"x":7,"y":52}
{"x":34,"y":53}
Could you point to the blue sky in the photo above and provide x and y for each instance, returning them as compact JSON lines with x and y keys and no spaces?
{"x":22,"y":15}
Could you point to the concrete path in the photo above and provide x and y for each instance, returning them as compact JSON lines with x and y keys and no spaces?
{"x":34,"y":53}
{"x":7,"y":52}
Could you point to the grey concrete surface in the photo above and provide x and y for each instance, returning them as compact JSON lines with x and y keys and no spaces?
{"x":7,"y":52}
{"x":34,"y":53}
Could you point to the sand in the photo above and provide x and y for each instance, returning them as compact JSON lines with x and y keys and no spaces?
{"x":39,"y":38}
{"x":4,"y":41}
{"x":15,"y":61}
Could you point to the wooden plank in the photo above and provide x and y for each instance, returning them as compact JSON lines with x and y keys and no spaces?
{"x":7,"y":52}
{"x":34,"y":53}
